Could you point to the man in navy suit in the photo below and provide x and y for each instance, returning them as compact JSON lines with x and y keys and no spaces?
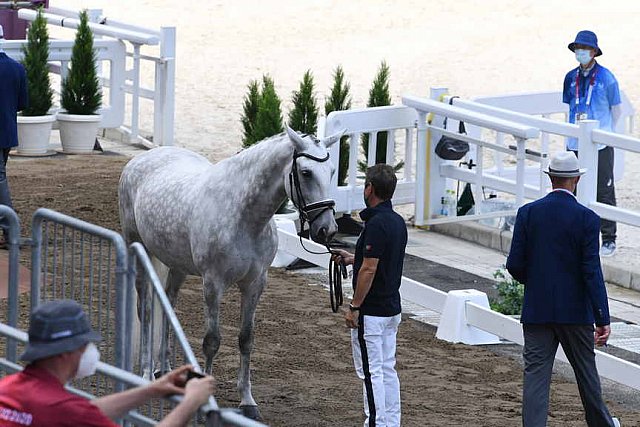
{"x":13,"y":98}
{"x":554,"y":253}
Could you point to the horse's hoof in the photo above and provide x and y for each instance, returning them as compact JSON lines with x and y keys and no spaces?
{"x":251,"y":411}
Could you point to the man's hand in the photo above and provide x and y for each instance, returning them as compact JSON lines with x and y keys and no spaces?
{"x":340,"y":254}
{"x":601,"y":335}
{"x":174,"y":382}
{"x":351,"y":317}
{"x":199,"y":389}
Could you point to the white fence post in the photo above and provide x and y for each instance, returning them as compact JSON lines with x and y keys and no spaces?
{"x":588,"y":158}
{"x":164,"y":101}
{"x":520,"y":165}
{"x":422,"y":185}
{"x":436,"y":183}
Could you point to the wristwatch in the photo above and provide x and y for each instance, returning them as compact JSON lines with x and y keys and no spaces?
{"x":353,"y":307}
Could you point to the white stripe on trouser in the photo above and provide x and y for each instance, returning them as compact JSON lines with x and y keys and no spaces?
{"x":378,"y":370}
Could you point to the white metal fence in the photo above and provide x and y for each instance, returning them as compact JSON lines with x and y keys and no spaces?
{"x":122,"y":45}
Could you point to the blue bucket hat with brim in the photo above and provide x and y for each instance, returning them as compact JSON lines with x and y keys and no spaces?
{"x":587,"y":38}
{"x":58,"y":327}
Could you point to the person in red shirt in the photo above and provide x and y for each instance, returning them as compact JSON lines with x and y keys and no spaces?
{"x":62,"y":347}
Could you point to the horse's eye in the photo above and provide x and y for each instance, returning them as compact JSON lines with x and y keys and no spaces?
{"x":306,"y":173}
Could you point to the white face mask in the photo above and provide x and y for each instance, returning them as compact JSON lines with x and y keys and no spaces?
{"x":583,"y":56}
{"x":88,"y":361}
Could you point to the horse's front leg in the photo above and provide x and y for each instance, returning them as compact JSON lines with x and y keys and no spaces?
{"x":213,"y":289}
{"x":250,"y":297}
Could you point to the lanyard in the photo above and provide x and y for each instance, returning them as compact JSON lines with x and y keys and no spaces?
{"x":592,"y":83}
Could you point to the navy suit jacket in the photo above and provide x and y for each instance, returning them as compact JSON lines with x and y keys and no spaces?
{"x":13,"y":98}
{"x":554,"y":253}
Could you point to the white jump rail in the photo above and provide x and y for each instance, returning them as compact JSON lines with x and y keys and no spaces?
{"x":506,"y":327}
{"x":438,"y":170}
{"x":163,"y":92}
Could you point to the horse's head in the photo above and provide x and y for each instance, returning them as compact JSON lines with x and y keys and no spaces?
{"x":308,"y":182}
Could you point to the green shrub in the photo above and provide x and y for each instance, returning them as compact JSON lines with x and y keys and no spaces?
{"x":250,"y":113}
{"x":304,"y":115}
{"x":510,"y":294}
{"x":81,"y":89}
{"x":378,"y":97}
{"x":269,"y":116}
{"x":36,"y":56}
{"x":339,"y":100}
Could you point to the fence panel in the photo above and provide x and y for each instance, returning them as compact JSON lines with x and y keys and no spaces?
{"x":73,"y":259}
{"x":158,"y":342}
{"x":10,"y":220}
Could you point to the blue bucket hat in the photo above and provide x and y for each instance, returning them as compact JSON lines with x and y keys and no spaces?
{"x":57,"y":327}
{"x":587,"y":38}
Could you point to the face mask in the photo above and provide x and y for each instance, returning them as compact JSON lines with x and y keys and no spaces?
{"x":88,"y":361}
{"x":583,"y":56}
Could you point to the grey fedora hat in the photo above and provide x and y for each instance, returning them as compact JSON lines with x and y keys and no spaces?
{"x":57,"y":327}
{"x":564,"y":164}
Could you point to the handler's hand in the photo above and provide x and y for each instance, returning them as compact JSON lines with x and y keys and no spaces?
{"x":601,"y":334}
{"x":351,"y":317}
{"x":340,"y":254}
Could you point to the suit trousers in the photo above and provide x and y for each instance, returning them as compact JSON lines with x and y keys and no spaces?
{"x":374,"y":356}
{"x":606,"y":191}
{"x":540,"y":345}
{"x":5,"y":195}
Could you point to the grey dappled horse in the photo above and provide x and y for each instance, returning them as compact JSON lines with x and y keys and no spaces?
{"x":216,"y":221}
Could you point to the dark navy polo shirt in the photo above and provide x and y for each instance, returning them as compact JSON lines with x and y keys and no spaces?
{"x":13,"y":98}
{"x":384,"y":237}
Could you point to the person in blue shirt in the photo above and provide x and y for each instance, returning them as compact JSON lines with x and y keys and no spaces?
{"x":375,"y":312}
{"x":13,"y":98}
{"x":592,"y":93}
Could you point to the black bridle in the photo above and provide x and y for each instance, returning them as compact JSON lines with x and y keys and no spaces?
{"x":308,"y":213}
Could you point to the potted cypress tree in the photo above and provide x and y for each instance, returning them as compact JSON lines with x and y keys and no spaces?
{"x":35,"y":122}
{"x":81,"y":96}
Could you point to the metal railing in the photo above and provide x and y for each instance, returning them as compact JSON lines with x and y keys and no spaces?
{"x":73,"y":259}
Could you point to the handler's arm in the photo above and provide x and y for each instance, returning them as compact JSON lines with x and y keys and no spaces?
{"x":365,"y":279}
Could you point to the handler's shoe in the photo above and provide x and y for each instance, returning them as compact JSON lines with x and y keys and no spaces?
{"x":616,"y":422}
{"x":608,"y":249}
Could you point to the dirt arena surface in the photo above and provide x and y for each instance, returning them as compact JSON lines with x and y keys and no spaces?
{"x":302,"y":370}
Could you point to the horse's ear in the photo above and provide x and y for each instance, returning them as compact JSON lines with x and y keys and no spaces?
{"x":296,"y":138}
{"x":330,"y":140}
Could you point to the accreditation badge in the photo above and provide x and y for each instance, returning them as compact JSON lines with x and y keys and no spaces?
{"x":580,"y":117}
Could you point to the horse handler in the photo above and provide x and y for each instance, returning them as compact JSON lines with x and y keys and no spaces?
{"x":374,"y":313}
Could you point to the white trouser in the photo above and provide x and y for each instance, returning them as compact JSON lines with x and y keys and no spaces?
{"x":374,"y":356}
